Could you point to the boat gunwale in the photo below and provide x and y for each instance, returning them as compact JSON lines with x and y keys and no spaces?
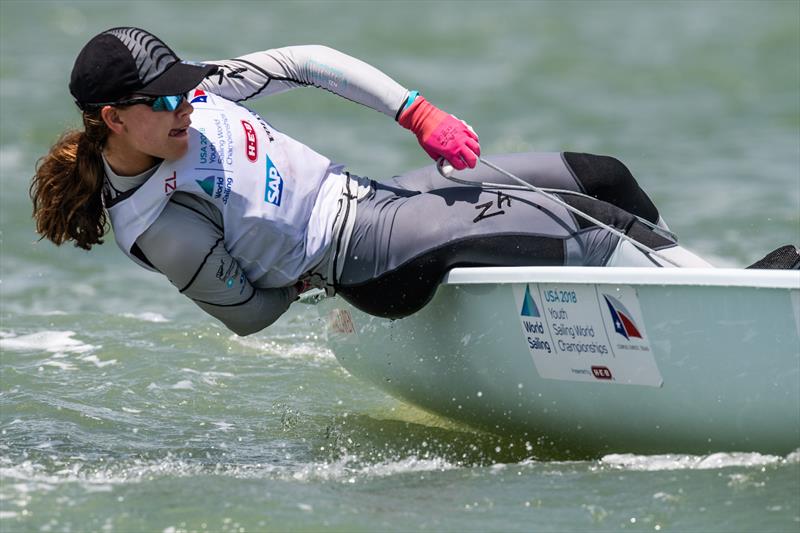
{"x":706,"y":277}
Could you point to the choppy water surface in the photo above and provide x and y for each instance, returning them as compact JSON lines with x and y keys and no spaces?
{"x":123,"y":408}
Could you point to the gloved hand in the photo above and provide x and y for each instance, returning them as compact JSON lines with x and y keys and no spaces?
{"x":441,"y":134}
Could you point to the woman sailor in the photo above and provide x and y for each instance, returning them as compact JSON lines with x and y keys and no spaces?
{"x":241,"y":217}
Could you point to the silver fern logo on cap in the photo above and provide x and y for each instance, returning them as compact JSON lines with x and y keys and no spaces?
{"x":151,"y":55}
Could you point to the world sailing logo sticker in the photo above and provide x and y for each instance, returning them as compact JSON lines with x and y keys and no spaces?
{"x":274,"y":189}
{"x":588,"y":333}
{"x":533,"y":327}
{"x":528,"y":305}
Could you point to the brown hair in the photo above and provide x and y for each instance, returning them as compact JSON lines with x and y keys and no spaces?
{"x":66,"y":190}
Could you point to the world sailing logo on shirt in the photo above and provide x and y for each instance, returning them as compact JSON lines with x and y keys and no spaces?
{"x":216,"y":187}
{"x":207,"y":185}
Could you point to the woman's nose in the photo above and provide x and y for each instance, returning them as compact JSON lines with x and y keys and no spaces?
{"x":185,"y":108}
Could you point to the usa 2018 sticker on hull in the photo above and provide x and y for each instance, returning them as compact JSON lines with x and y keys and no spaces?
{"x":586,"y":333}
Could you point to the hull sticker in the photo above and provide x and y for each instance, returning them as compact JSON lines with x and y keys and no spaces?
{"x":593,"y":333}
{"x":340,"y":323}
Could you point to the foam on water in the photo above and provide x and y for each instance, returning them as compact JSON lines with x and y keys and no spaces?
{"x":48,"y":341}
{"x":29,"y":476}
{"x":654,"y":463}
{"x":146,"y":317}
{"x":287,"y":348}
{"x":184,"y":384}
{"x":348,"y":469}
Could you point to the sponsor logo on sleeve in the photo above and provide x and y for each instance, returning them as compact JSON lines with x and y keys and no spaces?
{"x":229,"y":274}
{"x":274,"y":188}
{"x":251,"y":149}
{"x":198,"y":96}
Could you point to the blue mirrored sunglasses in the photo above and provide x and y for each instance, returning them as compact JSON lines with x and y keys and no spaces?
{"x":158,"y":103}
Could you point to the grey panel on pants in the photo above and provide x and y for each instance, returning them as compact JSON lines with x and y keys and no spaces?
{"x":393,"y":227}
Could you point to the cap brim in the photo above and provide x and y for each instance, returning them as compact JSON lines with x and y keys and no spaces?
{"x":178,"y":79}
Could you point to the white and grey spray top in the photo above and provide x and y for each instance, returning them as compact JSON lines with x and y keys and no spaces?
{"x":278,"y":198}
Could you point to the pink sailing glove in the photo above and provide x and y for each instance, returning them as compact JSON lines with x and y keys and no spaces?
{"x":441,"y":134}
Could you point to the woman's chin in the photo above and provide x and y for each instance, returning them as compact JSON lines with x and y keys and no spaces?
{"x":177,"y":148}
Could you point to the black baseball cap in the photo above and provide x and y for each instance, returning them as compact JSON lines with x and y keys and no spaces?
{"x":122,"y":61}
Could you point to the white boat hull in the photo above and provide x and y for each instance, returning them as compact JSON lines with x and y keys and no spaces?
{"x":596,"y":359}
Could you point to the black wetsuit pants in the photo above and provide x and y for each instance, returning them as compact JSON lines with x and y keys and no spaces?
{"x":410,"y":230}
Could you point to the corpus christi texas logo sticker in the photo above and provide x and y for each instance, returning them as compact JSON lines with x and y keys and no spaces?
{"x":622,"y":318}
{"x":528,"y":305}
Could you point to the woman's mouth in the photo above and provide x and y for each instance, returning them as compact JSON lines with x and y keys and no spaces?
{"x":178,"y":132}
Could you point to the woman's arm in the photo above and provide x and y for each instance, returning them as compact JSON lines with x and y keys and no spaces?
{"x":278,"y":70}
{"x":186,"y":244}
{"x":440,"y":134}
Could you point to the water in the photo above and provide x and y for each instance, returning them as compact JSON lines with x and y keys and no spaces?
{"x":124,"y":408}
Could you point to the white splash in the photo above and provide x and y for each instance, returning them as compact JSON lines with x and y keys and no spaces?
{"x":49,"y":341}
{"x":59,"y":364}
{"x":146,"y":317}
{"x":342,"y":470}
{"x":287,"y":348}
{"x":654,"y":463}
{"x":97,"y":362}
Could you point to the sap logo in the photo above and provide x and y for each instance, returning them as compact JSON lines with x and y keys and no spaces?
{"x":622,"y":318}
{"x":170,"y":183}
{"x":199,"y":95}
{"x":252,"y":146}
{"x":274,"y":189}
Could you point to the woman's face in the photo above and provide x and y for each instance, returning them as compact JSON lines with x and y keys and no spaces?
{"x":157,"y":134}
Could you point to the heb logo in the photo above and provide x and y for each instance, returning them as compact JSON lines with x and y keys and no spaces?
{"x":170,"y":183}
{"x":252,"y":145}
{"x":199,"y":95}
{"x":601,"y":372}
{"x":274,"y":189}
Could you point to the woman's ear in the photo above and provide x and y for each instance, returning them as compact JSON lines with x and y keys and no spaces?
{"x":112,"y":118}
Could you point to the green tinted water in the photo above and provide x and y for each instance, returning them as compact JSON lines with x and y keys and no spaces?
{"x":124,"y":408}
